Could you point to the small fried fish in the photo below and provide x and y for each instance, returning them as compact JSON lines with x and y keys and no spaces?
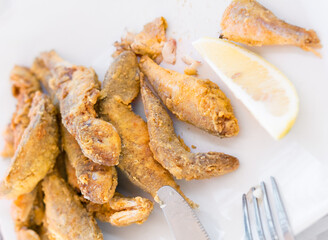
{"x":248,"y":22}
{"x":77,"y":90}
{"x":96,"y":182}
{"x":199,"y":102}
{"x":66,"y":218}
{"x":170,"y":152}
{"x":37,"y":151}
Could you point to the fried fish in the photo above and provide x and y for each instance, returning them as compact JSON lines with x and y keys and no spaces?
{"x":24,"y":86}
{"x":199,"y":102}
{"x":170,"y":152}
{"x":248,"y":22}
{"x":120,"y":87}
{"x":37,"y":150}
{"x":122,"y":211}
{"x":150,"y":41}
{"x":66,"y":218}
{"x":119,"y":211}
{"x":77,"y":91}
{"x":96,"y":182}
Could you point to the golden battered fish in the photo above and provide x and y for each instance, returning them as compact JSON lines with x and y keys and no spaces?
{"x":24,"y":86}
{"x":248,"y":22}
{"x":77,"y":91}
{"x":119,"y":210}
{"x":66,"y":218}
{"x":122,"y":211}
{"x":170,"y":152}
{"x":37,"y":150}
{"x":150,"y":41}
{"x":199,"y":102}
{"x":96,"y":182}
{"x":120,"y":87}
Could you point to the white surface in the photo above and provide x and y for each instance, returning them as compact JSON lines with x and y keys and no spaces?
{"x":83,"y":32}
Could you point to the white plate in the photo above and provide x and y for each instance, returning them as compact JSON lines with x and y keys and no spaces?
{"x":83,"y":32}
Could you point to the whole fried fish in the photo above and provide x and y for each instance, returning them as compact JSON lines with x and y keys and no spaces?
{"x":170,"y":152}
{"x":247,"y":21}
{"x":199,"y":102}
{"x":77,"y":91}
{"x":37,"y":151}
{"x":24,"y":86}
{"x":96,"y":182}
{"x":118,"y":211}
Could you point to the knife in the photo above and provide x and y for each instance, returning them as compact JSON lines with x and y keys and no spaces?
{"x":182,"y":220}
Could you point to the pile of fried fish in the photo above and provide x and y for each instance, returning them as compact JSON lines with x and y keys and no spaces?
{"x":67,"y":142}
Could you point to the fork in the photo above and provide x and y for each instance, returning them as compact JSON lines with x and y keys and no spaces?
{"x":271,"y":225}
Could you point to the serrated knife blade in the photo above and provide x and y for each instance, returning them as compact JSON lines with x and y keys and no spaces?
{"x":182,"y":220}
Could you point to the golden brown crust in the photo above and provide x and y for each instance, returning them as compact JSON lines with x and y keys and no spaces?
{"x":24,"y":86}
{"x":77,"y":91}
{"x":172,"y":154}
{"x":247,"y":21}
{"x":119,"y":210}
{"x":96,"y":182}
{"x":122,"y":211}
{"x":28,"y":213}
{"x":150,"y":41}
{"x":136,"y":159}
{"x":37,"y":150}
{"x":199,"y":102}
{"x":66,"y":218}
{"x":71,"y":175}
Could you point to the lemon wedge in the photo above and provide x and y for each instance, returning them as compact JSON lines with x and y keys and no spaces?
{"x":263,"y":89}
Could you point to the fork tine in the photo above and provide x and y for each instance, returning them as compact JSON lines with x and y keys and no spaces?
{"x":258,"y":220}
{"x":282,"y":215}
{"x":268,"y":213}
{"x":248,"y":230}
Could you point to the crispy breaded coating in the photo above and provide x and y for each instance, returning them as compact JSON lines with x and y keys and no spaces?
{"x":28,"y":209}
{"x":66,"y":218}
{"x":122,"y":211}
{"x":77,"y":91}
{"x":248,"y":22}
{"x":37,"y":150}
{"x":96,"y":182}
{"x":24,"y":86}
{"x":150,"y":41}
{"x":21,"y":209}
{"x":120,"y":87}
{"x":171,"y":153}
{"x":199,"y":102}
{"x":119,"y":210}
{"x":28,"y":213}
